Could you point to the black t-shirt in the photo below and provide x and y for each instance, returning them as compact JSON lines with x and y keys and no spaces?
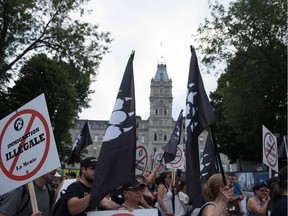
{"x":279,"y":206}
{"x":79,"y":190}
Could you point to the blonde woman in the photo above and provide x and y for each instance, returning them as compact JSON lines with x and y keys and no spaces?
{"x":218,"y":194}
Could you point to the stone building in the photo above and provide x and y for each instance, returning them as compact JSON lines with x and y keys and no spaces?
{"x":153,"y":132}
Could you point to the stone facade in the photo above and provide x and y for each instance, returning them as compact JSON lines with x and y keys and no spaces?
{"x":153,"y":132}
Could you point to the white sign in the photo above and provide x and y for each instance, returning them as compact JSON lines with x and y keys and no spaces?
{"x":142,"y":159}
{"x":158,"y":158}
{"x":27,"y":145}
{"x":270,"y":152}
{"x":179,"y":161}
{"x":138,"y":212}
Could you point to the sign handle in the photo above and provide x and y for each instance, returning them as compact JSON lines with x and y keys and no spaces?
{"x":32,"y":196}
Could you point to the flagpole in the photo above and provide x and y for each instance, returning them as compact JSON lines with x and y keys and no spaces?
{"x":218,"y":159}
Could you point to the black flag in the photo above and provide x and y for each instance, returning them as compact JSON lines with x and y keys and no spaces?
{"x":83,"y":140}
{"x":170,"y":148}
{"x":116,"y":163}
{"x":208,"y":166}
{"x":199,"y":115}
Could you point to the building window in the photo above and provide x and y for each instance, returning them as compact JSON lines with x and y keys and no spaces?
{"x":165,"y":112}
{"x":156,"y":112}
{"x":96,"y":138}
{"x":160,"y":122}
{"x":160,"y":136}
{"x":165,"y":137}
{"x":155,"y":137}
{"x":142,"y":139}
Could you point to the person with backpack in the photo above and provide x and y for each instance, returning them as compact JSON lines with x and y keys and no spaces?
{"x":17,"y":202}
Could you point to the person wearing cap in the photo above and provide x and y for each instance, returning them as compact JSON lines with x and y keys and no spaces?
{"x":257,"y":204}
{"x":78,"y":193}
{"x":133,"y":193}
{"x":278,"y":194}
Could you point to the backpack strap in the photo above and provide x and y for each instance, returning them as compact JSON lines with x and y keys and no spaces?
{"x":51,"y":193}
{"x":25,"y":198}
{"x":203,"y":206}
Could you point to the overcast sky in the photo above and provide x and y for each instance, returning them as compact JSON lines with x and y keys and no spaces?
{"x":142,"y":25}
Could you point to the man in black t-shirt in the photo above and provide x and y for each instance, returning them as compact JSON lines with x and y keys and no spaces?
{"x":78,"y":193}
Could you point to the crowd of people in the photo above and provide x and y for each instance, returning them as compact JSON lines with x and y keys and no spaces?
{"x":148,"y":191}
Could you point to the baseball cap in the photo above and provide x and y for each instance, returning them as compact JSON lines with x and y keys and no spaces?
{"x":133,"y":185}
{"x":57,"y":174}
{"x":89,"y":161}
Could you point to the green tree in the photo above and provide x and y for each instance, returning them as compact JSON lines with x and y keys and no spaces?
{"x":250,"y":37}
{"x":63,"y":88}
{"x":46,"y":26}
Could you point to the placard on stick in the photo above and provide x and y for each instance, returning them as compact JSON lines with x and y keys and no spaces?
{"x":270,"y":152}
{"x":27,"y":146}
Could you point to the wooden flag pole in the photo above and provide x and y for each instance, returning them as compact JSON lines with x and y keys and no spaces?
{"x":33,"y":197}
{"x":173,"y":176}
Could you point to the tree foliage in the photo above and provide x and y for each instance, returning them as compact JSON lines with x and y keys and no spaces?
{"x":46,"y":26}
{"x":57,"y":53}
{"x":251,"y":39}
{"x":61,"y":88}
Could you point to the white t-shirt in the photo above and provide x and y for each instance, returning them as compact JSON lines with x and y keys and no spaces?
{"x":184,"y":200}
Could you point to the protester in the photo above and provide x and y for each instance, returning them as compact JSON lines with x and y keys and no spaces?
{"x":133,"y":193}
{"x":238,"y":192}
{"x":56,"y":181}
{"x":78,"y":193}
{"x":257,"y":204}
{"x":218,"y":194}
{"x":71,"y":175}
{"x":12,"y":201}
{"x":165,"y":195}
{"x":278,"y":194}
{"x":181,"y":199}
{"x":149,"y":198}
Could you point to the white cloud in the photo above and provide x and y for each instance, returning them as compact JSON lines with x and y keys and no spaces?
{"x":141,"y":25}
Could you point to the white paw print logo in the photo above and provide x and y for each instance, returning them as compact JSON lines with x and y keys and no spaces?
{"x":204,"y":166}
{"x":191,"y":110}
{"x":118,"y":117}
